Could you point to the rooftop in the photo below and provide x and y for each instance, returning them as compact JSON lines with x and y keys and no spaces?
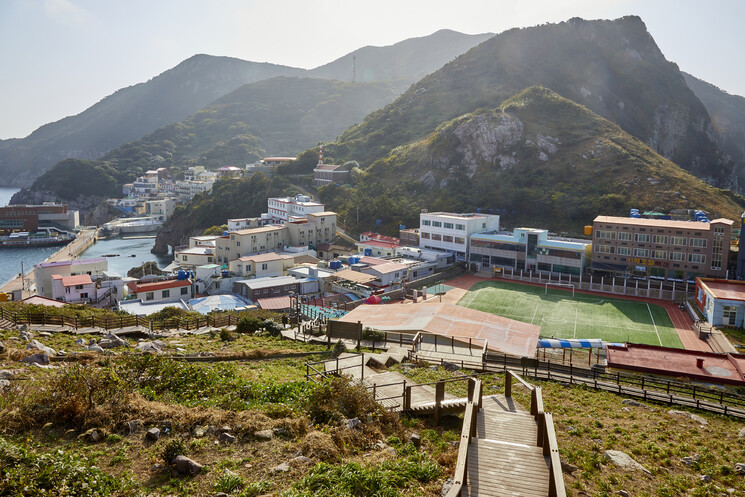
{"x":76,"y":262}
{"x":80,"y":279}
{"x":253,"y":231}
{"x":465,"y":215}
{"x":269,"y":256}
{"x":268,"y":282}
{"x":723,"y":289}
{"x":662,"y":223}
{"x":157,"y":285}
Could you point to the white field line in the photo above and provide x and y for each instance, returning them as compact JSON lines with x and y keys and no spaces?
{"x":473,"y":298}
{"x":576,"y":310}
{"x":534,"y":312}
{"x":655,"y":325}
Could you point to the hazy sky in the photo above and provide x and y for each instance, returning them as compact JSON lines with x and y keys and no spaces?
{"x":61,"y":56}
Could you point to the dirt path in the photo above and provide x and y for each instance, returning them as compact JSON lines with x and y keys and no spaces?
{"x":680,"y":319}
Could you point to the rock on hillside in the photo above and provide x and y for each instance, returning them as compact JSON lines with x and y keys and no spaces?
{"x":612,"y":67}
{"x":540,"y":159}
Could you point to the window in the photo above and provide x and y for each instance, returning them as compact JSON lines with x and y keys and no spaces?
{"x":150,"y":296}
{"x":661,"y":239}
{"x":436,"y":224}
{"x":266,"y":290}
{"x":78,"y":287}
{"x":607,"y":235}
{"x":678,"y":240}
{"x":448,"y":226}
{"x":659,"y":254}
{"x":84,"y":295}
{"x":424,"y":234}
{"x":264,"y":267}
{"x":699,"y":258}
{"x":460,"y":227}
{"x":642,"y":238}
{"x":626,"y":236}
{"x":459,"y":240}
{"x":677,"y":256}
{"x":185,"y":258}
{"x":604,"y":249}
{"x":165,"y":294}
{"x":641,"y":252}
{"x":426,"y":222}
{"x":624,"y":251}
{"x":697,"y":242}
{"x":447,"y":238}
{"x":184,"y":290}
{"x":436,"y":237}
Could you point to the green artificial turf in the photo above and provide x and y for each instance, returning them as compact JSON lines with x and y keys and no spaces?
{"x":583,"y":316}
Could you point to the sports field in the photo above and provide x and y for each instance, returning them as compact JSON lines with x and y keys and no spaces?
{"x":584,"y":316}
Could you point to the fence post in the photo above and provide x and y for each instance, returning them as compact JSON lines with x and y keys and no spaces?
{"x":508,"y":384}
{"x":407,"y":397}
{"x":439,"y":395}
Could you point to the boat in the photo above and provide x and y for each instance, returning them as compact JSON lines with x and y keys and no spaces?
{"x":25,"y":239}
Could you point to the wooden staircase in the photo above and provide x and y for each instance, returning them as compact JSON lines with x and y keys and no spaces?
{"x":505,"y":450}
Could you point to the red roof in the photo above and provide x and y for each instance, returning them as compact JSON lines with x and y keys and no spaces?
{"x":275,"y":303}
{"x":80,"y":279}
{"x":380,"y":244}
{"x":157,"y":285}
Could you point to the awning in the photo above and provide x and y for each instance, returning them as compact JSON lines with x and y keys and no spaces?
{"x":355,"y":276}
{"x":605,"y":266}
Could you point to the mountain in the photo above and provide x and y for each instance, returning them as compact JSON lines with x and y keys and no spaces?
{"x":612,"y":67}
{"x":138,"y":110}
{"x":538,"y":159}
{"x":278,"y":116}
{"x":727,"y":114}
{"x":131,"y":113}
{"x":404,"y":63}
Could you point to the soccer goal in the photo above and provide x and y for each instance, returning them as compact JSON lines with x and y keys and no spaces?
{"x":557,"y":284}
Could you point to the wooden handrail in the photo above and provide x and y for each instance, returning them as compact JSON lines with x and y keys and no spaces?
{"x":466,"y":433}
{"x":551,"y":449}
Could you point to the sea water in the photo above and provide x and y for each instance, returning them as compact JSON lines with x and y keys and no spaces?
{"x":11,"y":259}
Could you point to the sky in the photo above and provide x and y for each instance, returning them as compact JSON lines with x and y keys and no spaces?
{"x":59,"y":57}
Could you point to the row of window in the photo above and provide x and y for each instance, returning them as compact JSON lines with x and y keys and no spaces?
{"x":656,"y":254}
{"x":440,"y":224}
{"x":646,"y":237}
{"x":164,"y":294}
{"x":443,"y":238}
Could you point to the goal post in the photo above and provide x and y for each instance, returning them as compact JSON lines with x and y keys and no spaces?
{"x":557,"y":284}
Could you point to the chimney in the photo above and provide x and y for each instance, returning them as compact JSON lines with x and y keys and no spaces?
{"x":699,"y":362}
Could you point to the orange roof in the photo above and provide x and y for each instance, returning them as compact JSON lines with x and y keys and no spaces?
{"x":80,"y":279}
{"x":723,"y":289}
{"x":157,"y":285}
{"x":275,"y":303}
{"x":266,"y":257}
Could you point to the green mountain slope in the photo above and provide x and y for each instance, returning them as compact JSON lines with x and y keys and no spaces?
{"x":279,"y":116}
{"x":612,"y":67}
{"x":131,"y":113}
{"x":539,"y":159}
{"x":404,"y":63}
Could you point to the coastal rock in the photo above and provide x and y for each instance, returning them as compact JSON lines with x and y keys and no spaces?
{"x":95,"y":348}
{"x":149,"y":348}
{"x":152,"y":434}
{"x":112,"y":341}
{"x":695,"y":417}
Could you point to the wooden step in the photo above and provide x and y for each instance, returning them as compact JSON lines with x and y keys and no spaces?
{"x":504,"y":469}
{"x":507,"y":427}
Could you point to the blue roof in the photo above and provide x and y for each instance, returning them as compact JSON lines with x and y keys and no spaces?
{"x":205,"y":305}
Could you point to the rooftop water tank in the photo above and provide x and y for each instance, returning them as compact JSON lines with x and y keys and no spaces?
{"x":181,"y":275}
{"x":368,"y":251}
{"x":226,"y":274}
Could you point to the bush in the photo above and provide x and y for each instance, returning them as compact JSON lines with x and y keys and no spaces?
{"x":226,"y":335}
{"x":339,"y":398}
{"x":229,"y":482}
{"x":274,"y":329}
{"x":249,"y":325}
{"x":172,"y":449}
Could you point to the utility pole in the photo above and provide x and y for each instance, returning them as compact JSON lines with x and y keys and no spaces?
{"x":23,"y":280}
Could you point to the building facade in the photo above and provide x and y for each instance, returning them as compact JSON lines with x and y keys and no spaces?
{"x":529,"y":249}
{"x":450,"y":232}
{"x":15,"y":218}
{"x":722,"y":302}
{"x":94,"y":267}
{"x":326,"y":174}
{"x":285,"y":208}
{"x":658,"y":248}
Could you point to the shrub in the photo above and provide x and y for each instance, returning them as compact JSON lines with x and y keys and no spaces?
{"x":229,"y":482}
{"x":274,"y":329}
{"x":249,"y":325}
{"x":226,"y":335}
{"x":339,"y":398}
{"x":256,"y":488}
{"x":173,"y":448}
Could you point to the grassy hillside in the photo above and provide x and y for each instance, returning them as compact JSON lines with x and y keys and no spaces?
{"x":612,"y":67}
{"x":47,"y":446}
{"x":539,"y":159}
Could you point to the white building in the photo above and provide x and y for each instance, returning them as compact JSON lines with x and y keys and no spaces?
{"x":43,"y":272}
{"x":285,"y":208}
{"x":450,"y":232}
{"x":160,"y":209}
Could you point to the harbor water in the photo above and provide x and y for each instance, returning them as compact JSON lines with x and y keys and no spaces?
{"x":129,"y":252}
